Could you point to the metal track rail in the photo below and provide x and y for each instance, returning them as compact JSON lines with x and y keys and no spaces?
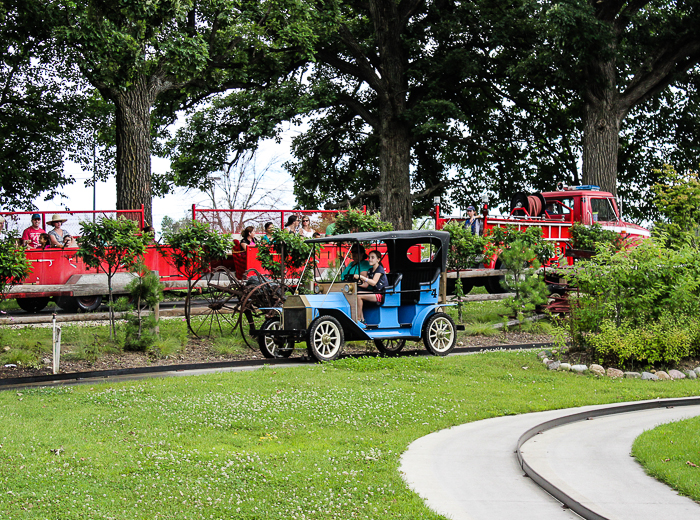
{"x":550,"y":488}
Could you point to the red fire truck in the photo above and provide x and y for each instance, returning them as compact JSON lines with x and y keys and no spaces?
{"x":555,"y":212}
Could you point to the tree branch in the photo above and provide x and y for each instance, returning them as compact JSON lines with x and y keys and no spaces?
{"x":357,"y":198}
{"x":659,"y":72}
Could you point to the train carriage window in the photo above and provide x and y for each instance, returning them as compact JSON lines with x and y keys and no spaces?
{"x":603,"y":210}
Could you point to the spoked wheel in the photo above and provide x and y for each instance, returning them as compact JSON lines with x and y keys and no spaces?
{"x":389,"y":347}
{"x":439,"y":334}
{"x":326,"y":339}
{"x":272,"y":347}
{"x":221,"y":302}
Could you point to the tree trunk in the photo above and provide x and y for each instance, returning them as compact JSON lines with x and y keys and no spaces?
{"x":394,"y":175}
{"x":601,"y":127}
{"x":395,"y":199}
{"x":133,"y":121}
{"x":601,"y":134}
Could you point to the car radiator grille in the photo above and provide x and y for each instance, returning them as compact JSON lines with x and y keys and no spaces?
{"x":295,"y":319}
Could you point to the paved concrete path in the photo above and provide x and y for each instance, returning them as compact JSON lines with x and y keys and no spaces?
{"x":470,"y":472}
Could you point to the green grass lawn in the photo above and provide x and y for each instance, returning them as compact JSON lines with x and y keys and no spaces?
{"x":319,"y":441}
{"x":671,"y":453}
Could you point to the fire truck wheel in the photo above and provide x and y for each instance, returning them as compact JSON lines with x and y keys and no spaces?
{"x":439,"y":334}
{"x":32,"y":304}
{"x":270,"y":347}
{"x":326,"y":338}
{"x":89,"y":303}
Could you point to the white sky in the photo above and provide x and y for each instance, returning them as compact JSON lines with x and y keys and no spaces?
{"x":78,"y":197}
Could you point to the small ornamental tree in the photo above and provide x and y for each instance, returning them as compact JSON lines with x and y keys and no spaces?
{"x":192,"y":250}
{"x":146,"y":288}
{"x":355,"y":221}
{"x":14,"y":266}
{"x":110,"y":245}
{"x":296,"y":252}
{"x":521,"y":253}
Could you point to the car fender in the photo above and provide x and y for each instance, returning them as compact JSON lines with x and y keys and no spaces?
{"x":351,"y":330}
{"x":424,"y":314}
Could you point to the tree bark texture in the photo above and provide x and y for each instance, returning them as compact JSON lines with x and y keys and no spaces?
{"x":394,"y":135}
{"x":394,"y":175}
{"x":601,"y":135}
{"x":133,"y":122}
{"x":601,"y":131}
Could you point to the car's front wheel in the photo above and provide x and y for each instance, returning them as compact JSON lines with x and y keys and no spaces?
{"x":439,"y":334}
{"x":325,"y":341}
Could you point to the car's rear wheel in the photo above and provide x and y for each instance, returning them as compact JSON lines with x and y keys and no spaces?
{"x":271,"y":347}
{"x":325,"y":341}
{"x":439,"y":334}
{"x":389,"y":347}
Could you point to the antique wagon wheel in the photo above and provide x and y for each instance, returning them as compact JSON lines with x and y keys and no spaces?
{"x":222,"y":299}
{"x":259,"y":292}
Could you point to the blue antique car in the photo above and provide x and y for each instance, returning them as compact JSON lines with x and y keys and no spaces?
{"x":412,"y":307}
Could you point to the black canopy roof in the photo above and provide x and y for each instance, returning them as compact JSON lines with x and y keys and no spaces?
{"x":401,"y":239}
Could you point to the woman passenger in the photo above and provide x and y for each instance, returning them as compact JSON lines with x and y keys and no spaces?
{"x":306,"y":230}
{"x":248,"y":237}
{"x":374,"y":282}
{"x":59,"y":237}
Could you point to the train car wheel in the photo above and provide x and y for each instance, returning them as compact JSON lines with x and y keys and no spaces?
{"x":88,"y":303}
{"x":270,"y":347}
{"x":389,"y":347}
{"x":32,"y":304}
{"x":67,"y":303}
{"x":439,"y":334}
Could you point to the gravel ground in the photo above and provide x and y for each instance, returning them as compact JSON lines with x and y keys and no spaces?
{"x":200,"y":351}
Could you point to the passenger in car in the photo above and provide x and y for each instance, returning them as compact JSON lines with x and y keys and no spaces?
{"x":374,"y":282}
{"x":359,"y":264}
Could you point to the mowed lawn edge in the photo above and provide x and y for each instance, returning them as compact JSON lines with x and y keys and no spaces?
{"x":671,"y":453}
{"x":319,"y":441}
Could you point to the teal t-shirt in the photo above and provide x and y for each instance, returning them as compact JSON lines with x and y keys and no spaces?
{"x":354,"y":268}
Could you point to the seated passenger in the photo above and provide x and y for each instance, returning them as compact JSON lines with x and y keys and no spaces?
{"x":44,"y":241}
{"x":374,"y":282}
{"x":30,"y":236}
{"x":248,"y":237}
{"x":292,"y":224}
{"x":359,"y":264}
{"x":59,"y":237}
{"x":306,"y":230}
{"x":269,"y":229}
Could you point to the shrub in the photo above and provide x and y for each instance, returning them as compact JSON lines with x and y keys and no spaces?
{"x":296,"y":253}
{"x":355,"y":221}
{"x":667,"y":341}
{"x":590,"y":237}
